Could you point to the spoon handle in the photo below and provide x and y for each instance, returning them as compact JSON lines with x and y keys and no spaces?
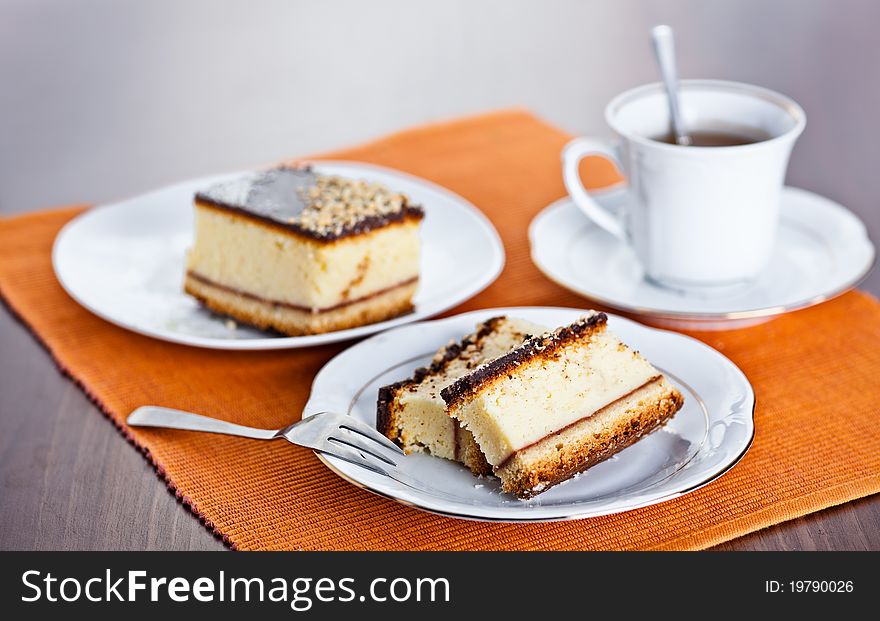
{"x":664,"y":49}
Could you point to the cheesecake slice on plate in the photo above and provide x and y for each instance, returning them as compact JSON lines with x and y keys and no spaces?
{"x":559,"y":403}
{"x":413,"y":414}
{"x":292,"y":250}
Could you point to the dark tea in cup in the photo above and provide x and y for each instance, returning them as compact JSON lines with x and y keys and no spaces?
{"x":711,"y":138}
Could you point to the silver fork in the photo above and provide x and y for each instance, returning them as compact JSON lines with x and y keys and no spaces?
{"x":335,"y":434}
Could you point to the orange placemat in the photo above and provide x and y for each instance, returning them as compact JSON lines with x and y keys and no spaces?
{"x":815,"y":373}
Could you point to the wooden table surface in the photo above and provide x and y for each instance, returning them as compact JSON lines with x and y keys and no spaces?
{"x":69,"y":480}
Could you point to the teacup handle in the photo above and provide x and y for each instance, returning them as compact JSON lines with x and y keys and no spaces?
{"x":572,"y":154}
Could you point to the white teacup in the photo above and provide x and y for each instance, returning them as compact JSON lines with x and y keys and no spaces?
{"x":696,"y":217}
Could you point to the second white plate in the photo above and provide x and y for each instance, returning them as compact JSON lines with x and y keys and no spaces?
{"x":125,"y":262}
{"x":700,"y":443}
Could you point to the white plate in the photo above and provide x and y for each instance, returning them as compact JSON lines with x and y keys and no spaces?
{"x":125,"y":262}
{"x":700,"y":443}
{"x":822,"y":250}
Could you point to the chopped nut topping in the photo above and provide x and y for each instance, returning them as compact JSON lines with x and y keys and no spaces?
{"x":335,"y":203}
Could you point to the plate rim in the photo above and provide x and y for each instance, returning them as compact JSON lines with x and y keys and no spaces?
{"x":696,"y":316}
{"x":575,"y":515}
{"x":493,"y":271}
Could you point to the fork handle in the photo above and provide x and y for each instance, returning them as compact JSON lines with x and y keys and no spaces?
{"x":155,"y":416}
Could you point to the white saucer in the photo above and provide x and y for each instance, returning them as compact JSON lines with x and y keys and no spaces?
{"x":125,"y":262}
{"x":700,"y":443}
{"x":822,"y":250}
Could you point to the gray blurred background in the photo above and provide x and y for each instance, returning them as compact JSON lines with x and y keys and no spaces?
{"x":102,"y":99}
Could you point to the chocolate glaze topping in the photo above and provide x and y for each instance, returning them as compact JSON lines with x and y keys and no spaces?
{"x":300,"y":200}
{"x":544,"y":345}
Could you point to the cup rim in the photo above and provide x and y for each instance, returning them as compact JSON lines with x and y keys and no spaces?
{"x":784,"y":102}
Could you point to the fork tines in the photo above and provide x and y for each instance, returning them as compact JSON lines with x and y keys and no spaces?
{"x":353,"y":441}
{"x":353,"y":425}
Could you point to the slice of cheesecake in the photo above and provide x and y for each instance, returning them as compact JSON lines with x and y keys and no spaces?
{"x":560,"y":403}
{"x":413,"y":414}
{"x":301,"y":253}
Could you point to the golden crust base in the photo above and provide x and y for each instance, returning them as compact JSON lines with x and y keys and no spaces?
{"x":295,"y":322}
{"x":554,"y":459}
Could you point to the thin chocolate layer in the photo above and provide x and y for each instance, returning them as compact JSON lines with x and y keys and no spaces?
{"x":545,"y":345}
{"x":305,"y":309}
{"x":581,"y":419}
{"x":277,"y":197}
